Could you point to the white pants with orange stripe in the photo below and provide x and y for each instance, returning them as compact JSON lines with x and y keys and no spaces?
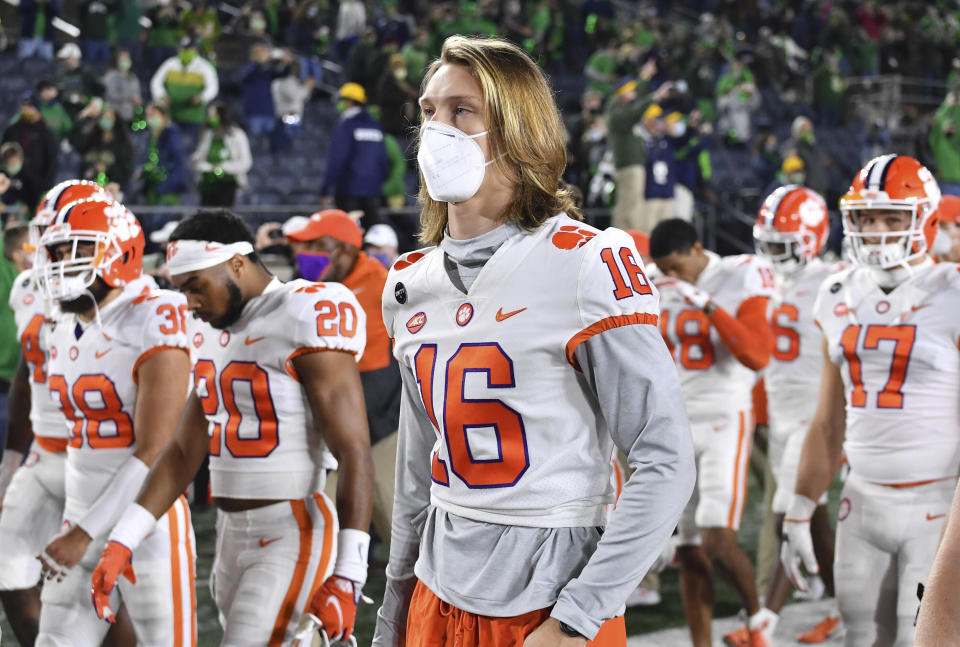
{"x":31,"y":516}
{"x":162,"y":604}
{"x":268,"y":565}
{"x":886,"y":540}
{"x":721,"y":444}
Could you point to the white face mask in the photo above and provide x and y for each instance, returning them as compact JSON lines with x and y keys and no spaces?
{"x":452,"y":162}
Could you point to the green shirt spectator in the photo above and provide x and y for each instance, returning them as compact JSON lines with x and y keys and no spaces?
{"x":13,"y":262}
{"x":945,"y":140}
{"x":416,"y":55}
{"x":394,"y":188}
{"x":188,"y":82}
{"x":624,"y":135}
{"x":52,"y":110}
{"x":601,"y":70}
{"x":165,"y":32}
{"x":127,"y":24}
{"x":201,"y":23}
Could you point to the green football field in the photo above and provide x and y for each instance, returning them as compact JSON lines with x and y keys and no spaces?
{"x":669,"y":613}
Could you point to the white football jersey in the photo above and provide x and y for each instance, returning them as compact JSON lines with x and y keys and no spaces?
{"x":898,"y":355}
{"x":264,"y":443}
{"x":92,"y":374}
{"x":711,"y":376}
{"x":520,"y":437}
{"x":792,"y":378}
{"x":33,"y":314}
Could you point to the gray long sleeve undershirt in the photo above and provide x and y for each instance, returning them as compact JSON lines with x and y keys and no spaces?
{"x":498,"y":570}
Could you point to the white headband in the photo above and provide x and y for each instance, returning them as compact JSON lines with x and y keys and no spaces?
{"x":190,"y":255}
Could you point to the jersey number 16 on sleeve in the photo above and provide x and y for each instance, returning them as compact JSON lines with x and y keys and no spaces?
{"x":462,"y":414}
{"x":638,"y":281}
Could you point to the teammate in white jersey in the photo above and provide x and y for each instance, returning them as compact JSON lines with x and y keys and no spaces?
{"x":276,"y":391}
{"x":119,"y":369}
{"x":529,"y":350}
{"x":713,"y":315}
{"x":33,"y":503}
{"x":888,"y":401}
{"x":792,"y":227}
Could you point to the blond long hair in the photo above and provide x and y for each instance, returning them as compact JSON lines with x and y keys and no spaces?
{"x":524,"y":126}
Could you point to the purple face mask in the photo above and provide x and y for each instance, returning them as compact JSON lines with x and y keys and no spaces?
{"x":312,"y":265}
{"x":383,"y":258}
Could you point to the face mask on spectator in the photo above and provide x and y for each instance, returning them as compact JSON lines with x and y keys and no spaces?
{"x":258,"y":24}
{"x":13,"y":168}
{"x":155,"y":123}
{"x":187,"y":56}
{"x":400,"y":73}
{"x":312,"y":265}
{"x":213,"y":121}
{"x":106,"y":123}
{"x":124,"y":64}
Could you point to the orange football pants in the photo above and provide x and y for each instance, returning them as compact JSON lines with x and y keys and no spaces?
{"x":431,"y":622}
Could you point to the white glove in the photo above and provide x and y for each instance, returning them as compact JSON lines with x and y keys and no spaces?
{"x":694,"y":296}
{"x":797,"y":542}
{"x":667,"y":556}
{"x":8,"y":465}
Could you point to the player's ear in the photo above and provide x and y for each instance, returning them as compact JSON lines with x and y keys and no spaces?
{"x":235,"y":265}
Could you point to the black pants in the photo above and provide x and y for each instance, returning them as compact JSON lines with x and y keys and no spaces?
{"x":220,"y":194}
{"x":369,"y":205}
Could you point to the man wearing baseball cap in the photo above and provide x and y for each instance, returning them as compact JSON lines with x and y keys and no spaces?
{"x":356,"y":158}
{"x":328,"y":247}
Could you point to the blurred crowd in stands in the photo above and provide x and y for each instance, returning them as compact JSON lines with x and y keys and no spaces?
{"x":671,"y":106}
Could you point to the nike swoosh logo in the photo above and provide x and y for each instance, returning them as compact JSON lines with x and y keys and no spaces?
{"x":931,"y":517}
{"x":100,"y":354}
{"x":920,"y":307}
{"x":254,"y":340}
{"x":211,"y":248}
{"x":264,"y":544}
{"x":332,"y":601}
{"x":501,"y":315}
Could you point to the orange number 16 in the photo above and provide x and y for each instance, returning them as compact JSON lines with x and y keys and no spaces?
{"x":461,"y":414}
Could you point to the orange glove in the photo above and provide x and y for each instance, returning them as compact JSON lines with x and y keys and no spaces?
{"x":114,"y":561}
{"x":335,"y":604}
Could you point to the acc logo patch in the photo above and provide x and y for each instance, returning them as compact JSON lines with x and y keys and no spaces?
{"x":883,"y":307}
{"x":224,"y":338}
{"x":32,"y":459}
{"x":571,"y":237}
{"x":27,"y":300}
{"x":416,"y":322}
{"x":844,"y":509}
{"x":198,"y":340}
{"x":841,"y":309}
{"x":464,"y":314}
{"x":74,"y":352}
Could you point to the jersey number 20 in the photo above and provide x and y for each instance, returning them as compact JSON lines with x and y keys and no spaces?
{"x":461,"y":414}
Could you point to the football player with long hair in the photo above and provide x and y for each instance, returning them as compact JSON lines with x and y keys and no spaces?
{"x":529,"y":351}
